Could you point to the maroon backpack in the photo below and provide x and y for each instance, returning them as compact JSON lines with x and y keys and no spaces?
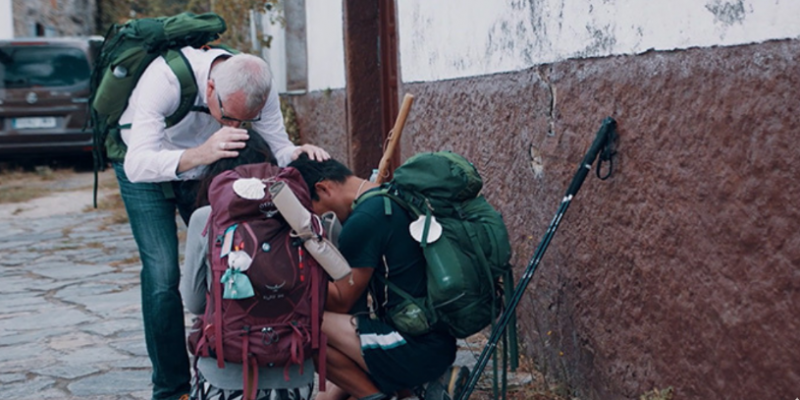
{"x":280,"y":324}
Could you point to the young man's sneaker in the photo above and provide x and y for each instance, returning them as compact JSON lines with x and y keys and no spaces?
{"x":448,"y":386}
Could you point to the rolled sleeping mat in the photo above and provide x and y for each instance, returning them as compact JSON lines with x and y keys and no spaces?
{"x":300,"y":219}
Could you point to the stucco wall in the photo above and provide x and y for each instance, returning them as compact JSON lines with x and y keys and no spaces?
{"x":681,"y":270}
{"x":447,"y":39}
{"x":321,"y":119}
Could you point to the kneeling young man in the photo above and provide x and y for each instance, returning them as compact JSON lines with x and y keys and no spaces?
{"x":368,"y":358}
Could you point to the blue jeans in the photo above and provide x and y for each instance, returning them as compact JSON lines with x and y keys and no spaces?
{"x":152,"y":219}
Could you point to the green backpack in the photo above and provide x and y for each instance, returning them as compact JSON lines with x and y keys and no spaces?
{"x":467,"y":264}
{"x":126,"y":52}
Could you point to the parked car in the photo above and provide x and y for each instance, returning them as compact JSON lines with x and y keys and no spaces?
{"x":44,"y":92}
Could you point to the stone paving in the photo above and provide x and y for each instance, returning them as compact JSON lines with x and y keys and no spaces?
{"x":70,"y":322}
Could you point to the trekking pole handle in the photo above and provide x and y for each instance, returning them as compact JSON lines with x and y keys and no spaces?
{"x":605,"y":135}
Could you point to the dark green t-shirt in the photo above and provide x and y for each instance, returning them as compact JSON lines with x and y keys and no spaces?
{"x":366,"y":237}
{"x":368,"y":234}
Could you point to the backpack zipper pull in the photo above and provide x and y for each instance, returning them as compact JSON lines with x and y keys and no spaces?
{"x":301,"y":264}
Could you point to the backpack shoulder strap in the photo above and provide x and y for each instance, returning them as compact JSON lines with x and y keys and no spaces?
{"x":183,"y":70}
{"x":394,"y":288}
{"x":388,"y":196}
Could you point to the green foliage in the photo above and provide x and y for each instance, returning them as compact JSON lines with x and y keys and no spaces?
{"x":236,"y":14}
{"x":290,"y":121}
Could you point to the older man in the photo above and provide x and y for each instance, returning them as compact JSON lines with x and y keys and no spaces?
{"x":232,"y":90}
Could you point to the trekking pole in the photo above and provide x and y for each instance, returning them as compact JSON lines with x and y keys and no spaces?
{"x":604,"y":140}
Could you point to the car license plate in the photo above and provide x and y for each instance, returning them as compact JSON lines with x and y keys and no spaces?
{"x":34,"y":123}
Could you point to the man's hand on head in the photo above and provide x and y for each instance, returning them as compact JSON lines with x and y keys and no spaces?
{"x":315,"y":153}
{"x":224,"y":143}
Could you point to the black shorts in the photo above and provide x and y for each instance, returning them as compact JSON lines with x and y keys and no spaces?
{"x":397,"y":361}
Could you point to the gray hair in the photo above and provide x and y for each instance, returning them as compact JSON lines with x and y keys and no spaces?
{"x":243,"y":72}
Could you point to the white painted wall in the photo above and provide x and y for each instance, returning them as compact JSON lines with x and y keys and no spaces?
{"x":445,"y":39}
{"x":276,"y":53}
{"x":325,"y":44}
{"x":6,"y":20}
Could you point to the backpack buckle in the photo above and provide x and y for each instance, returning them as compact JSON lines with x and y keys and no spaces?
{"x":269,"y":333}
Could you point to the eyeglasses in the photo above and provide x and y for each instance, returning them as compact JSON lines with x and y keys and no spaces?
{"x":231,"y":119}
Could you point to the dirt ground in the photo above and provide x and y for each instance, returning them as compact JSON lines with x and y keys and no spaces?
{"x":44,"y":191}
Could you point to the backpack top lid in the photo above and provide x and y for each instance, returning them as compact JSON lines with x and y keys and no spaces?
{"x":185,"y":29}
{"x":226,"y":203}
{"x":440,"y":175}
{"x":130,"y":47}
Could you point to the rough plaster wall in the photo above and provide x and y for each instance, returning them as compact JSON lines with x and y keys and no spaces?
{"x":66,"y":17}
{"x":322,"y":121}
{"x":447,"y":39}
{"x":682,"y":269}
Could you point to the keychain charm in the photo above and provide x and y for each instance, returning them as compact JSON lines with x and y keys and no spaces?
{"x":237,"y":284}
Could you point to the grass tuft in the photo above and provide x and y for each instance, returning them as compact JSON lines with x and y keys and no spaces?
{"x":18,"y":185}
{"x":20,"y":194}
{"x":45,"y":173}
{"x":656,"y":394}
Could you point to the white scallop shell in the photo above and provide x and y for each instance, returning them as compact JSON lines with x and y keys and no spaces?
{"x":417,"y":227}
{"x":239,"y":260}
{"x":249,"y":188}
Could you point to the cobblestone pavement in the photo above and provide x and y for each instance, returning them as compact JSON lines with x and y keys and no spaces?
{"x":70,"y":321}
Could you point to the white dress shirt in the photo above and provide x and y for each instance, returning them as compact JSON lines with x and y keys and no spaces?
{"x":154,"y":151}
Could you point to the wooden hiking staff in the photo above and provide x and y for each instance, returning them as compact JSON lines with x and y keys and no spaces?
{"x":394,"y":138}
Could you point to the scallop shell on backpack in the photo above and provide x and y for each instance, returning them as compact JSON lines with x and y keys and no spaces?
{"x":249,"y":188}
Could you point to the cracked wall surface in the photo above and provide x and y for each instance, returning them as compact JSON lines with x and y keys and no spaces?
{"x":448,"y":39}
{"x":680,"y":270}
